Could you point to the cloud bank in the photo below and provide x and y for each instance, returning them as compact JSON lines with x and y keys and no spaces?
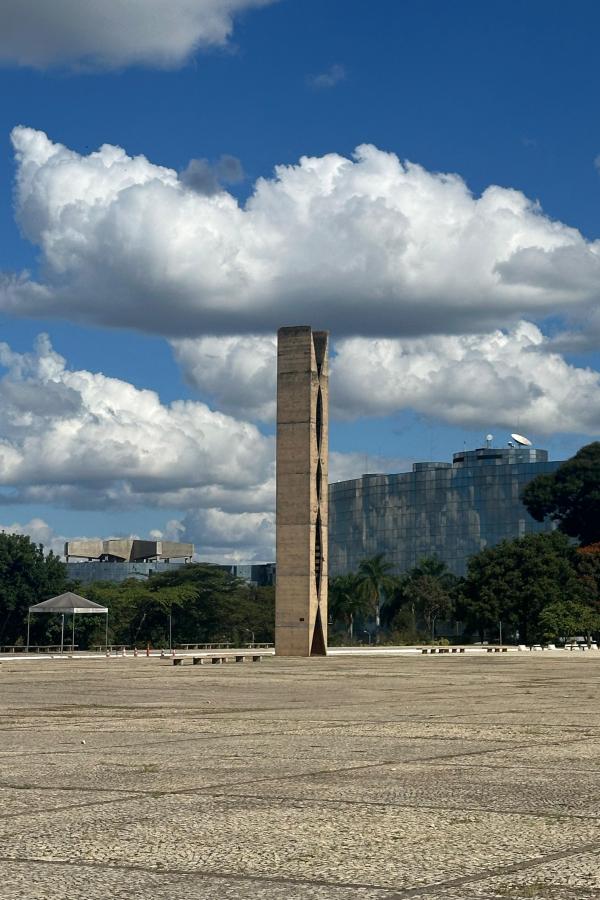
{"x":84,"y":440}
{"x":497,"y":378}
{"x":367,"y":245}
{"x":110,"y":34}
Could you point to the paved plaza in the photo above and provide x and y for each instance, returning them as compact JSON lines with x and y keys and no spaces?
{"x":347,"y":777}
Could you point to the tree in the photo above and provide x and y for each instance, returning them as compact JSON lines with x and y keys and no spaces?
{"x":515,"y":580}
{"x":27,"y":576}
{"x":374,"y":582}
{"x":570,"y":496}
{"x":429,"y":588}
{"x":346,"y":601}
{"x":562,"y":619}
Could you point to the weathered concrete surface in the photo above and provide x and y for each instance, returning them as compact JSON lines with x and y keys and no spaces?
{"x":302,"y":499}
{"x":450,"y":777}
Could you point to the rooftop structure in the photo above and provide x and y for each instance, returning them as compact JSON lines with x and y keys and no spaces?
{"x":128,"y":550}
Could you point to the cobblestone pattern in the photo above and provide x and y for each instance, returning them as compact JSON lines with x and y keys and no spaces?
{"x":342,"y":778}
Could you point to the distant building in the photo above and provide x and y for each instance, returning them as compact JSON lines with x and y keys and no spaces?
{"x":450,"y":510}
{"x":259,"y":574}
{"x":117,"y":559}
{"x":128,"y":550}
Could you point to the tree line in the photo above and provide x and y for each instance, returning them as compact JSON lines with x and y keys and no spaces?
{"x":197,"y":603}
{"x":539,"y":587}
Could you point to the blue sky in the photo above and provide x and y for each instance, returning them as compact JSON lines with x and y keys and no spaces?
{"x":498,"y":93}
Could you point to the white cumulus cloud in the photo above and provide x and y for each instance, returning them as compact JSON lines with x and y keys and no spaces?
{"x":40,"y":533}
{"x":239,"y":373}
{"x":108,"y":34}
{"x":474,"y":380}
{"x":498,"y":378}
{"x":82,"y":439}
{"x":368,"y":245}
{"x":221,"y":536}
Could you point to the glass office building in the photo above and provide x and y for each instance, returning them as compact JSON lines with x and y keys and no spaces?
{"x":450,"y":510}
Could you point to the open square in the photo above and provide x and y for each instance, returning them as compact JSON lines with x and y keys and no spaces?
{"x":359,"y":776}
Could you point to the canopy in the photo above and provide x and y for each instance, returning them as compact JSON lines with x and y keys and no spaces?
{"x":68,"y":603}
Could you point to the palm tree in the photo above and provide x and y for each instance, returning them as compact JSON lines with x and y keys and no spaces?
{"x":374,"y":581}
{"x":346,"y":600}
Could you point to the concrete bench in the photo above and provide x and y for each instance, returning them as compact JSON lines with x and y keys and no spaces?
{"x":219,"y":659}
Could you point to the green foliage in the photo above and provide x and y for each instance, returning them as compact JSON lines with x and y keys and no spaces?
{"x":515,"y":581}
{"x":424,"y":594}
{"x":346,"y":601}
{"x":570,"y":496}
{"x":205,"y":604}
{"x":375,"y":582}
{"x":27,"y":577}
{"x":562,"y":619}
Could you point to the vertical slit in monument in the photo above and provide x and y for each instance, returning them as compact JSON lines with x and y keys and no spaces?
{"x":318,"y":554}
{"x":319,"y":420}
{"x":317,"y":648}
{"x":320,"y":345}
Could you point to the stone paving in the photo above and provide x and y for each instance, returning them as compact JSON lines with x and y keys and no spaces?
{"x":383,"y":778}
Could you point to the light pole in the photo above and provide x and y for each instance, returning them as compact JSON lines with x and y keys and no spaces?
{"x":368,"y":634}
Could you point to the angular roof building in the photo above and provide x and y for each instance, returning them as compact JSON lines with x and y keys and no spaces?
{"x":128,"y":550}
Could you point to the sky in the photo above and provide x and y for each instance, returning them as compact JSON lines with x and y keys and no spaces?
{"x":179,"y":178}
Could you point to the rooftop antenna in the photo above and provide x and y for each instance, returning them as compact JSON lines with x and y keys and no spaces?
{"x":521,"y":440}
{"x":488,"y":440}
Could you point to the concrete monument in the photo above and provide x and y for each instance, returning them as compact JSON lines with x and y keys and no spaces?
{"x":302,"y":454}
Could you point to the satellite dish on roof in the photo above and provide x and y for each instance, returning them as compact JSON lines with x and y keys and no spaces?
{"x":522,"y":441}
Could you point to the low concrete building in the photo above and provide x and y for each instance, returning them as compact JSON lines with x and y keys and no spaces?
{"x":118,"y":559}
{"x":128,"y":550}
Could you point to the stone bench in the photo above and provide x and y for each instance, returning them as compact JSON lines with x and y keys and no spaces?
{"x":218,"y":659}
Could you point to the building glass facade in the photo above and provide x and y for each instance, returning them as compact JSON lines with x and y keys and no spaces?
{"x":450,"y":510}
{"x":94,"y":570}
{"x":87,"y":572}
